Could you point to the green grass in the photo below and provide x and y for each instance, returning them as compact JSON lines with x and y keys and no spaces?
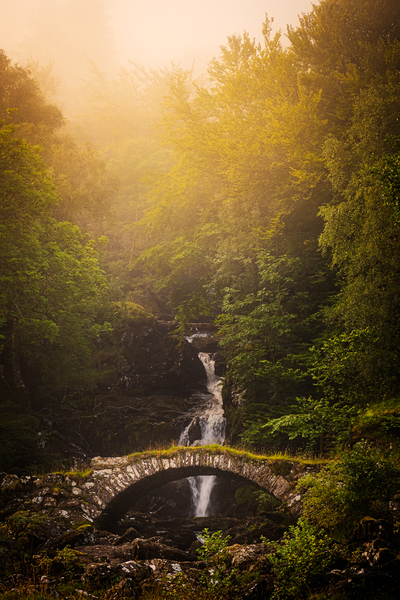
{"x":81,"y":475}
{"x":175,"y":451}
{"x":217,"y":449}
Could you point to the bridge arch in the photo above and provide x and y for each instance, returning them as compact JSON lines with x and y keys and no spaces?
{"x":116,"y":482}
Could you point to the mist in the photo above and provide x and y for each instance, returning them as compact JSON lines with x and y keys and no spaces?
{"x":71,"y":37}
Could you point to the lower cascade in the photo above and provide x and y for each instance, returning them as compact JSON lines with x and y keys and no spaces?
{"x":210,"y":429}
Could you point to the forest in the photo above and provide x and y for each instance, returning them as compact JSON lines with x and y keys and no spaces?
{"x":261,"y":198}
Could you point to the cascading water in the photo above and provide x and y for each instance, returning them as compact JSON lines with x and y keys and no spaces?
{"x":210,"y":425}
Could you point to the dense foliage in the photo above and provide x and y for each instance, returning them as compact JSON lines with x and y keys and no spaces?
{"x":264,"y":196}
{"x":281,"y":216}
{"x":52,"y":288}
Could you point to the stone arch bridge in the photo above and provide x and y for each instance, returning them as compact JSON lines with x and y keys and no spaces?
{"x":115,"y":482}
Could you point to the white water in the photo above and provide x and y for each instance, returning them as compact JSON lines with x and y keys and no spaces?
{"x":212,"y":426}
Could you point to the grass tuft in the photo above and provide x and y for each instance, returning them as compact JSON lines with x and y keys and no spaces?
{"x":227,"y":450}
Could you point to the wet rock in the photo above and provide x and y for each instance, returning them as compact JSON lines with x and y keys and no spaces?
{"x":121,"y":591}
{"x":215,"y":523}
{"x":149,"y":549}
{"x":194,"y":547}
{"x":377,"y":552}
{"x":220,"y":364}
{"x":141,"y":523}
{"x":155,"y":361}
{"x":176,"y":539}
{"x":80,"y":536}
{"x":276,"y":517}
{"x":194,"y":431}
{"x":163,"y":507}
{"x":99,"y":572}
{"x":207,"y":344}
{"x":129,"y":535}
{"x":182,"y":538}
{"x":370,"y":529}
{"x":134,"y":570}
{"x":171,"y":501}
{"x":249,"y":557}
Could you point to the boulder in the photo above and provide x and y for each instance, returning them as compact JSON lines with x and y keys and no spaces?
{"x":194,"y":431}
{"x":207,"y":344}
{"x":249,"y":557}
{"x":82,"y":535}
{"x":99,"y":572}
{"x":134,"y":570}
{"x":129,"y":535}
{"x":149,"y":549}
{"x":112,"y":555}
{"x":370,"y":529}
{"x":377,"y":552}
{"x":34,"y":529}
{"x":251,"y":530}
{"x":121,"y":591}
{"x":157,"y":361}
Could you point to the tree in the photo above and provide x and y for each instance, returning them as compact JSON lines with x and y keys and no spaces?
{"x":51,"y":283}
{"x":363,"y":237}
{"x":21,"y":99}
{"x":258,"y":329}
{"x":245,"y":162}
{"x":342,"y":46}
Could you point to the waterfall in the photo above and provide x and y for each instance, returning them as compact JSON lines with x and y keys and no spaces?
{"x":209,"y":428}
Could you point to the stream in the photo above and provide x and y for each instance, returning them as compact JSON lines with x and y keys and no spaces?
{"x":207,"y":427}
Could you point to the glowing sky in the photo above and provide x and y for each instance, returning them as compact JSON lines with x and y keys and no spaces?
{"x":156,"y":32}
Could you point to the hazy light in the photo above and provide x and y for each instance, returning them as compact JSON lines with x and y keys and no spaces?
{"x":75,"y":34}
{"x":156,"y":32}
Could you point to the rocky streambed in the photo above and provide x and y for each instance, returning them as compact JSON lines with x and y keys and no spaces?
{"x":153,"y":556}
{"x":150,"y":552}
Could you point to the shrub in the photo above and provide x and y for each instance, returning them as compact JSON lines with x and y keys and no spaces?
{"x":214,"y":547}
{"x":218,"y":582}
{"x":302,"y":556}
{"x":360,"y":485}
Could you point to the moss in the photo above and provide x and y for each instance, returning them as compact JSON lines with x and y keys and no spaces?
{"x":244,"y":495}
{"x":265,"y":501}
{"x":79,"y":475}
{"x":84,"y":527}
{"x":282,"y":461}
{"x":130,"y":313}
{"x":281,"y":467}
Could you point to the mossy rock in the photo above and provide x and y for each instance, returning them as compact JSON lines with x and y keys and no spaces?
{"x":244,"y":494}
{"x":265,"y":502}
{"x":245,"y":500}
{"x":281,"y":467}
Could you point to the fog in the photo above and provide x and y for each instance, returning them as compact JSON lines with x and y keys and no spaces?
{"x":159,"y":31}
{"x":153,"y":33}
